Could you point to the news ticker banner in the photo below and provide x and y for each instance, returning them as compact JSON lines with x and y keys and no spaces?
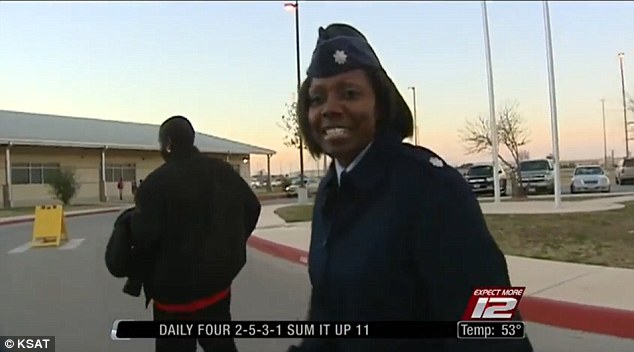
{"x":27,"y":343}
{"x":128,"y":329}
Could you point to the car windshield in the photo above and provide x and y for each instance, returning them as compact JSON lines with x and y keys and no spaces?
{"x":589,"y":171}
{"x":628,"y":162}
{"x":536,"y":165}
{"x":483,"y":171}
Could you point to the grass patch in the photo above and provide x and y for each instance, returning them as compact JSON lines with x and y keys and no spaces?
{"x":272,"y":195}
{"x":600,"y":238}
{"x":263,"y":190}
{"x":295,"y":213}
{"x":19,"y":211}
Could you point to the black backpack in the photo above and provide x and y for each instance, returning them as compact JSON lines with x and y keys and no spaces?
{"x":119,"y":248}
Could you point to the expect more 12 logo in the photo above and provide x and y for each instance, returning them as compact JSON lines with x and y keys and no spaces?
{"x":493,"y":303}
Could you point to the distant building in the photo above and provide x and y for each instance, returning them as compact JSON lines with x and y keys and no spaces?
{"x":99,"y":151}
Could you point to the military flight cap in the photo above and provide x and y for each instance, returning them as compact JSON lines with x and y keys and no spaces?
{"x":341,"y":48}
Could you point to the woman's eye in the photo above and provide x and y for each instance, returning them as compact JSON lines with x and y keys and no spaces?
{"x":351,"y":94}
{"x":314,"y":100}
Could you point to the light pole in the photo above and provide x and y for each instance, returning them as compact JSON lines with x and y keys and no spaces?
{"x":627,"y":142}
{"x":492,"y":118}
{"x":553,"y":103}
{"x":415,"y":117}
{"x":605,"y":140}
{"x":294,"y":6}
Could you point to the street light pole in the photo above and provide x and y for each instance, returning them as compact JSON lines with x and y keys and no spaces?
{"x":295,"y":7}
{"x":299,"y":83}
{"x":605,"y":140}
{"x":627,"y":143}
{"x":492,"y":118}
{"x":553,"y":103}
{"x":415,"y":117}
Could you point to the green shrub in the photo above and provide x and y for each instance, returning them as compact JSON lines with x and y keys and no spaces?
{"x":64,"y":185}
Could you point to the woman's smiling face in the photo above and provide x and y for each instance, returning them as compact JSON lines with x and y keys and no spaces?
{"x":342,"y":114}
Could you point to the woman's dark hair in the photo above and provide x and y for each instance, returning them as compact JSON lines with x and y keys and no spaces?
{"x":394,"y":113}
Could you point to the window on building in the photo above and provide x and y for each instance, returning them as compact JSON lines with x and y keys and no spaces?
{"x":114,"y":172}
{"x":32,"y":173}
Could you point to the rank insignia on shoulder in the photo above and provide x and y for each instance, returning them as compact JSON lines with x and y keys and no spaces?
{"x":436,"y":162}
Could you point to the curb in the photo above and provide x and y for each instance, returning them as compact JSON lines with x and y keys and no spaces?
{"x":30,"y":218}
{"x":576,"y":316}
{"x":573,"y":316}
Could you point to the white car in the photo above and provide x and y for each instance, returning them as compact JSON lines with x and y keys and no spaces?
{"x":625,"y":171}
{"x":311,"y":185}
{"x":589,"y":178}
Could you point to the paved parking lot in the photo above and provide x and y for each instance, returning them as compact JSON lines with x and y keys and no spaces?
{"x":68,"y":293}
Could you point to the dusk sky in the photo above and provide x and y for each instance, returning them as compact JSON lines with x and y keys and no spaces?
{"x":230,"y":66}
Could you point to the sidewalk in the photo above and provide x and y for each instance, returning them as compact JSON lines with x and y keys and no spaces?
{"x":574,"y":296}
{"x":110,"y":207}
{"x":99,"y":209}
{"x":548,"y":206}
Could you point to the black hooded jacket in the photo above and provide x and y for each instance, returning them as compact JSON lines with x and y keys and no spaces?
{"x":193,"y":216}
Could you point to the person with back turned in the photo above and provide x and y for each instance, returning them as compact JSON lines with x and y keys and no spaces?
{"x":397,"y":234}
{"x":192,"y":218}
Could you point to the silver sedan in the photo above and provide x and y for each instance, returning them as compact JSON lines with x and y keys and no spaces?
{"x":590,"y":178}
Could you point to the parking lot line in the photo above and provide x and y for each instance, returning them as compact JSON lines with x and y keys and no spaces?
{"x":23,"y":248}
{"x":72,"y":244}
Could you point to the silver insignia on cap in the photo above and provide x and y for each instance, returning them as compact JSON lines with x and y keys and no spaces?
{"x":340,"y":57}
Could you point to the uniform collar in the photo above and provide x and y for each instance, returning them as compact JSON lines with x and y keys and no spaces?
{"x":370,"y":167}
{"x":340,"y":168}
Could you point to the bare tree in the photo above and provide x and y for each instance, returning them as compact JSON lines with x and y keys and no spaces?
{"x":512,"y":134}
{"x":524,"y":154}
{"x":290,"y":125}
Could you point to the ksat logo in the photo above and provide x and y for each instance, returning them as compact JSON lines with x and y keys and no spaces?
{"x":492,"y":303}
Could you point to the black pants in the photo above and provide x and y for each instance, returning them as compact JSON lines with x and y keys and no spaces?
{"x":221,"y":311}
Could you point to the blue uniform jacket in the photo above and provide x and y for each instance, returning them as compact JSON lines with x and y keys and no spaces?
{"x":402,"y":238}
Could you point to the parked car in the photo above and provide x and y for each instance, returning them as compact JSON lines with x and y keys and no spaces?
{"x":624,"y":172}
{"x":537,"y":176}
{"x":480,"y":177}
{"x":589,"y":178}
{"x":311,"y":184}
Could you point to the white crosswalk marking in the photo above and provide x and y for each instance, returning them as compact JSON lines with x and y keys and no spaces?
{"x":72,"y":244}
{"x":23,"y":248}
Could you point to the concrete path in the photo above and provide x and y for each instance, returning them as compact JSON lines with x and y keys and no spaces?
{"x":581,"y":297}
{"x":568,"y":205}
{"x":43,"y":287}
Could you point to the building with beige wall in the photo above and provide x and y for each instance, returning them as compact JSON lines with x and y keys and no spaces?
{"x":100,"y":152}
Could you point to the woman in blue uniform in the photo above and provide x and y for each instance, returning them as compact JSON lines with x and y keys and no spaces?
{"x":396,"y":233}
